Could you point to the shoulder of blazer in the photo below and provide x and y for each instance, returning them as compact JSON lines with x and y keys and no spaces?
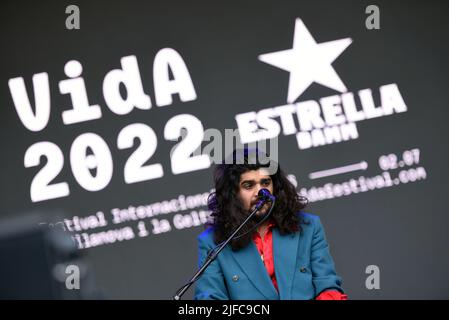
{"x":207,"y":237}
{"x":308,"y":218}
{"x":309,"y":223}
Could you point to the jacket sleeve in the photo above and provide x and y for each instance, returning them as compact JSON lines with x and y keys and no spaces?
{"x":324,"y":276}
{"x":211,"y":284}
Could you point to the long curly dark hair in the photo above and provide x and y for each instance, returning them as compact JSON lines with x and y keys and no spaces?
{"x":227,"y":211}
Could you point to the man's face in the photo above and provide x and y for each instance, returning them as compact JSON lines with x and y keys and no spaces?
{"x":250,"y":184}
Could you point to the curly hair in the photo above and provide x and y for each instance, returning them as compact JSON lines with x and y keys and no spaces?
{"x":227,"y":211}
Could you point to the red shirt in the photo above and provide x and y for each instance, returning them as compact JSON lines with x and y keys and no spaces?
{"x":265,"y":248}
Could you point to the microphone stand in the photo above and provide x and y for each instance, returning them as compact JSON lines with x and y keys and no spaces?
{"x":211,"y":257}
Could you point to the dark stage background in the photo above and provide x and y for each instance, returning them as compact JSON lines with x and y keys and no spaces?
{"x":373,"y":104}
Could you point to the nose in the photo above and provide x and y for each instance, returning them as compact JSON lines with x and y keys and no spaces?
{"x":256,"y":190}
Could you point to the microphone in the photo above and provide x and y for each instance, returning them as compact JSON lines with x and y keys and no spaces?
{"x":265,"y":195}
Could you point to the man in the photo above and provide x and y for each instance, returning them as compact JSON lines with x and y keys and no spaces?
{"x":285,"y":257}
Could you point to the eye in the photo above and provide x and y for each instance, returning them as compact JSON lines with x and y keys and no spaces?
{"x":267,"y":182}
{"x":247,"y":186}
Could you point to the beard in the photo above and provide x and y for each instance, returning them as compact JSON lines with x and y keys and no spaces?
{"x":261,"y":213}
{"x":250,"y":225}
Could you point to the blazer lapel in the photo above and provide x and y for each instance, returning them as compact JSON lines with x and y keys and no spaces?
{"x":250,"y":262}
{"x":285,"y":251}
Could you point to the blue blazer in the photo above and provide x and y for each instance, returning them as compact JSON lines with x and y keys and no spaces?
{"x":302,"y":263}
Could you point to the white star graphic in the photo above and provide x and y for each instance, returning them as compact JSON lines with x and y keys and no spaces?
{"x":308,"y":62}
